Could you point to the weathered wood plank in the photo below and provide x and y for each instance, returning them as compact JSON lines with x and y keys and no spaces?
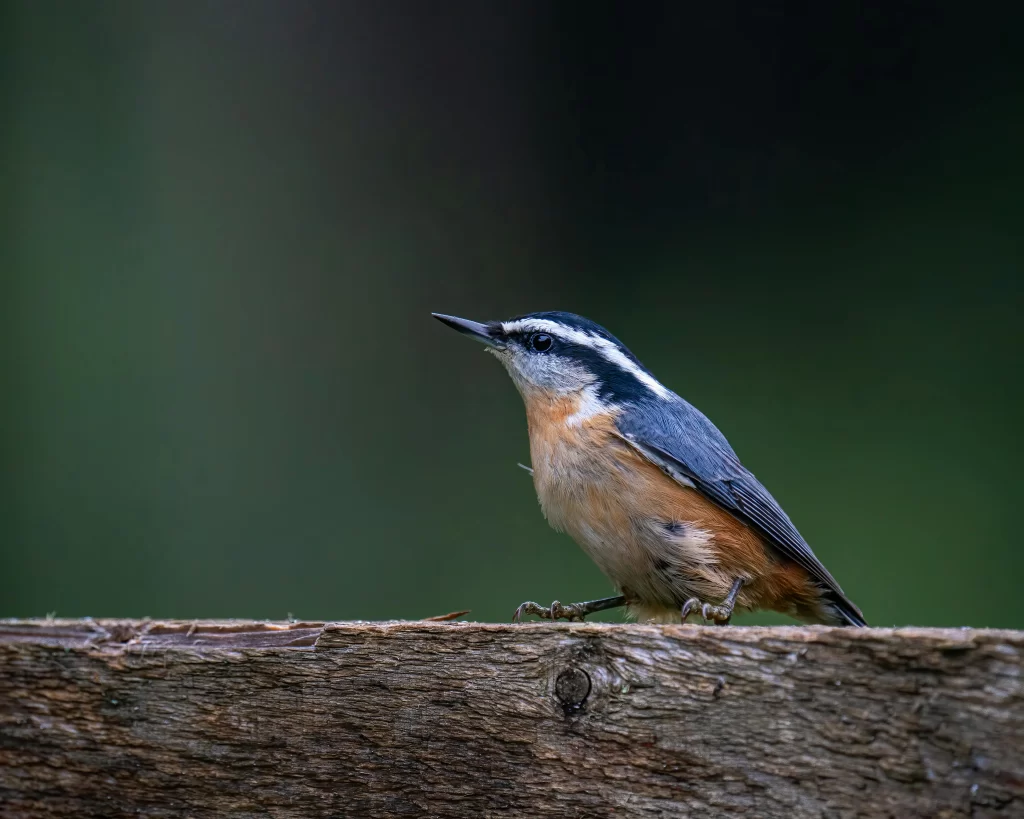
{"x":120,"y":718}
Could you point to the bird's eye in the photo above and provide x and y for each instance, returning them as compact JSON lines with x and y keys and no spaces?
{"x":541,"y":342}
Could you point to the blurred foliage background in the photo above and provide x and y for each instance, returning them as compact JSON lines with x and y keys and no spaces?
{"x":225,"y":225}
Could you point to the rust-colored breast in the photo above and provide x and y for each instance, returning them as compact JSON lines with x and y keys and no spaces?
{"x":658,"y":541}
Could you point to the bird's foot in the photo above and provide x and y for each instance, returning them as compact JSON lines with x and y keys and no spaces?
{"x":571,"y":612}
{"x":556,"y":611}
{"x":719,"y":615}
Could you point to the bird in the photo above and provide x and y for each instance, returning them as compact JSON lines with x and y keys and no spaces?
{"x":648,"y":486}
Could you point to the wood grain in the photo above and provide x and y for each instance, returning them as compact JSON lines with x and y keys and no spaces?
{"x":128,"y":718}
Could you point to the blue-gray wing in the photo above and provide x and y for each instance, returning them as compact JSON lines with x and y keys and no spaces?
{"x":686,"y":445}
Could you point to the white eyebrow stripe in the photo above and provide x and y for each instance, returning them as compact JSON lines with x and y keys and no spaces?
{"x":610,"y":352}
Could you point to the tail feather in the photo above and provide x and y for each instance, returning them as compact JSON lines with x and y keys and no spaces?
{"x":846,"y":613}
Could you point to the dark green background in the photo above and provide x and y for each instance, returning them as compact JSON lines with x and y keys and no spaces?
{"x":225,"y":225}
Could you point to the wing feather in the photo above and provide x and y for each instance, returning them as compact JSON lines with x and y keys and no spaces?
{"x":691,"y":450}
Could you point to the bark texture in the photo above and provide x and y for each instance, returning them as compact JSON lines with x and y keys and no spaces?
{"x":129,"y":718}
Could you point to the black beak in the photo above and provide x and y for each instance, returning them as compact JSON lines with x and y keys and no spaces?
{"x":473,"y":329}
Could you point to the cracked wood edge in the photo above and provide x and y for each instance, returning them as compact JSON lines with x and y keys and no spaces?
{"x":164,"y":718}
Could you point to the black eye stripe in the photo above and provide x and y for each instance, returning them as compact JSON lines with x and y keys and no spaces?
{"x":590,"y":347}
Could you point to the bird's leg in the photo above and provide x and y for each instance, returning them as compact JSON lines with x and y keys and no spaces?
{"x":573,"y":611}
{"x":720,"y":615}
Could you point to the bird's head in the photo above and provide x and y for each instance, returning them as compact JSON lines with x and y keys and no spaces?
{"x":555,"y":355}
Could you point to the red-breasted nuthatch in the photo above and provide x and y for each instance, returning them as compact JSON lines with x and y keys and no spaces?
{"x":648,"y":486}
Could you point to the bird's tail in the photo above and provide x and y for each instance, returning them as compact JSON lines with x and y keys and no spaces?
{"x":841,"y":610}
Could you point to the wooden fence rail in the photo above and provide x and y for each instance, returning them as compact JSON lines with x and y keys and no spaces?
{"x":113,"y":718}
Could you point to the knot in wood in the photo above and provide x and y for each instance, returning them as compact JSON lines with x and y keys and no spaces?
{"x":572,"y":688}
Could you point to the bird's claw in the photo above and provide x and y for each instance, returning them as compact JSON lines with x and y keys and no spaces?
{"x":556,"y":611}
{"x":719,"y":615}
